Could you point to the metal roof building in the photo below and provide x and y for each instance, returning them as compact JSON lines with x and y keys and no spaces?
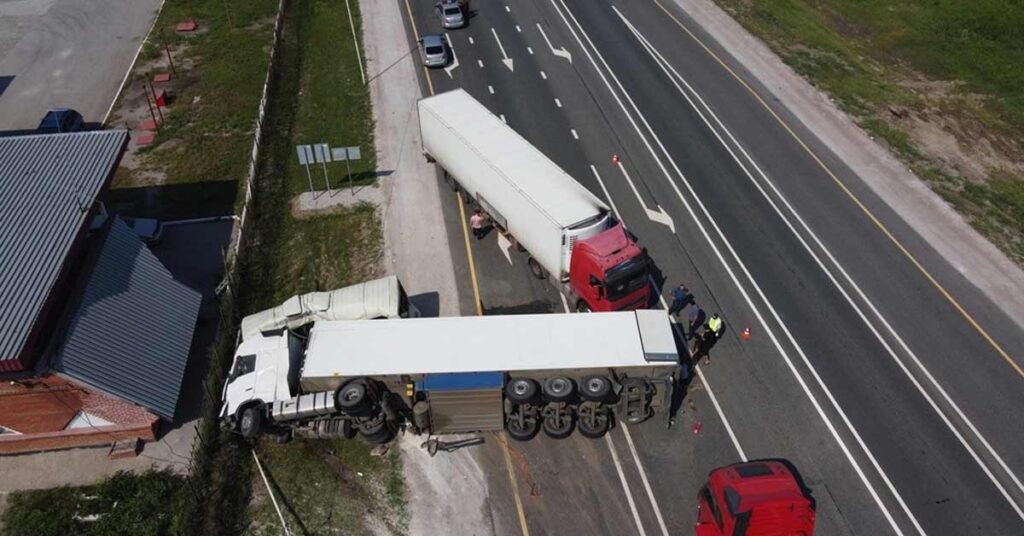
{"x":130,"y":331}
{"x":47,"y":187}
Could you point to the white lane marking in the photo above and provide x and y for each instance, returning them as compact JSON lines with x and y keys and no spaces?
{"x":455,"y":57}
{"x":666,"y":67}
{"x":131,"y":65}
{"x":503,"y":118}
{"x":643,"y":478}
{"x":607,"y":195}
{"x":657,"y":216}
{"x":703,"y":380}
{"x":480,"y":63}
{"x":504,"y":244}
{"x":574,"y":134}
{"x":707,"y":237}
{"x":490,"y":89}
{"x":518,"y":29}
{"x":471,"y":41}
{"x":507,"y":10}
{"x":543,"y":75}
{"x":530,"y":50}
{"x":505,"y":59}
{"x":565,"y":303}
{"x":558,"y":103}
{"x":560,"y":52}
{"x":625,"y":485}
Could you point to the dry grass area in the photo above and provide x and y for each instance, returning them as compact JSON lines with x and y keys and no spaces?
{"x":940,"y":83}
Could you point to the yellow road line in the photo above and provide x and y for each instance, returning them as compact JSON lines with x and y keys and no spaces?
{"x":913,"y":260}
{"x":515,"y":488}
{"x":476,"y":299}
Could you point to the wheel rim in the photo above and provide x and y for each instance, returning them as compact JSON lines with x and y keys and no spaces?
{"x":595,"y":385}
{"x":521,"y":388}
{"x":559,"y":386}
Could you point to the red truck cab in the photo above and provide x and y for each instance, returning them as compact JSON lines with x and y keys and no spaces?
{"x":609,"y":272}
{"x":754,"y":499}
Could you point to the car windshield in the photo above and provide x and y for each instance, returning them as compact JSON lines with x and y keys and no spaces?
{"x":452,"y":11}
{"x":435,"y":49}
{"x":625,"y":278}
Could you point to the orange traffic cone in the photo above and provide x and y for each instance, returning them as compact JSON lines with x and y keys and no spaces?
{"x":746,"y":334}
{"x":615,"y":159}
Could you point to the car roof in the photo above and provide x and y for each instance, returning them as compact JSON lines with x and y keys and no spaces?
{"x":431,"y":40}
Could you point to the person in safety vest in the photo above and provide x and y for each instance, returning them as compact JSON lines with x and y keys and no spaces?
{"x":714,"y":325}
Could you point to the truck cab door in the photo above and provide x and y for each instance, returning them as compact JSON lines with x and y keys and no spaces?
{"x":709,"y":518}
{"x":241,"y":383}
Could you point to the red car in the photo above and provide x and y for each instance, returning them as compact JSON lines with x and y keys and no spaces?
{"x":754,"y":499}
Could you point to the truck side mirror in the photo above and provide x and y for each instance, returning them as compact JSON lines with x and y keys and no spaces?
{"x":594,"y":281}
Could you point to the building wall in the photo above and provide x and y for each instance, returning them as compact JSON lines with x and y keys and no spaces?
{"x":39,"y":409}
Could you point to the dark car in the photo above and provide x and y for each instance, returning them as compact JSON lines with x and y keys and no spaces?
{"x":61,"y":120}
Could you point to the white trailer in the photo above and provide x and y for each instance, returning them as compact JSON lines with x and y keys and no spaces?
{"x":523,"y":373}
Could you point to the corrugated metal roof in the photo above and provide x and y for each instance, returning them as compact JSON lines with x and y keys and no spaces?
{"x":47,"y":185}
{"x":131,"y":331}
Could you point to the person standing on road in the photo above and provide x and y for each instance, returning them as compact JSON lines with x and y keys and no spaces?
{"x":476,"y":222}
{"x":696,"y":317}
{"x":680,"y":297}
{"x":715,"y":326}
{"x":702,"y":346}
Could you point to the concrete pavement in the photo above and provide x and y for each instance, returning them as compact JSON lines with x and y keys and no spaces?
{"x":63,"y":53}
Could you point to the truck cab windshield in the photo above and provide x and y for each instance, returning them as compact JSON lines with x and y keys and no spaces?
{"x":626,"y":278}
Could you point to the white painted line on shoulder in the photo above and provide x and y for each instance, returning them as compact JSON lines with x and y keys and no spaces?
{"x":674,"y":75}
{"x":480,"y":63}
{"x":643,"y":478}
{"x":558,"y":103}
{"x":544,"y":76}
{"x":518,"y":29}
{"x":530,"y":50}
{"x":471,"y":41}
{"x":565,"y":303}
{"x":507,"y":10}
{"x":490,"y":89}
{"x":625,"y":485}
{"x":574,"y":134}
{"x":611,"y":201}
{"x":735,"y":279}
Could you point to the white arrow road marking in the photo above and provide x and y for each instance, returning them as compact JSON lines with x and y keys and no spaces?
{"x":506,"y":60}
{"x":562,"y":52}
{"x":505,"y":244}
{"x":455,"y":57}
{"x":659,"y":215}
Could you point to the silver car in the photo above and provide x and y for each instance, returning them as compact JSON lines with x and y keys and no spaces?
{"x":434,"y":51}
{"x":450,"y":14}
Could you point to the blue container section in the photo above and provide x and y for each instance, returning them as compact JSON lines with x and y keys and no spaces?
{"x":461,"y":381}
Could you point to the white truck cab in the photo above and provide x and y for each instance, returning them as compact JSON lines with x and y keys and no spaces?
{"x":265,"y":369}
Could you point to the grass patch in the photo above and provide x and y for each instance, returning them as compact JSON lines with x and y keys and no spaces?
{"x":958,"y":60}
{"x":144,"y":504}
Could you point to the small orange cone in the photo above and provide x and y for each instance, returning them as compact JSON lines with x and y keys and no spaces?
{"x":746,"y":334}
{"x":615,"y":159}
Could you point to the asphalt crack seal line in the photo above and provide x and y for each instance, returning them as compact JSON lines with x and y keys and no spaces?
{"x":476,"y":298}
{"x":665,"y":66}
{"x":742,"y":289}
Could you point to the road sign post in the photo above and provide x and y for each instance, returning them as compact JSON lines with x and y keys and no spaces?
{"x":306,"y":158}
{"x":347,"y":154}
{"x":323,"y":156}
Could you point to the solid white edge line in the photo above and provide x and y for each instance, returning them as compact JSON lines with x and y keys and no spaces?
{"x":490,"y":89}
{"x":725,"y":265}
{"x":625,"y":485}
{"x":558,"y":103}
{"x":131,"y":66}
{"x":607,"y":195}
{"x":530,"y":50}
{"x":480,"y":63}
{"x":666,"y":66}
{"x":574,"y":134}
{"x":543,"y":75}
{"x":643,"y":478}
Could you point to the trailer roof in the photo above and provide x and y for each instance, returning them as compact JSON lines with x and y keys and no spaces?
{"x":553,"y":191}
{"x":489,"y":343}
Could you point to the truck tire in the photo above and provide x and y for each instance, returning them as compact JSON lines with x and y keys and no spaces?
{"x":594,"y":424}
{"x":521,"y":390}
{"x":595,"y":388}
{"x":524,"y":431}
{"x":559,"y":389}
{"x":250,"y":422}
{"x":560,"y":425}
{"x":582,"y":307}
{"x":354,"y":399}
{"x":377,"y":431}
{"x":535,"y":268}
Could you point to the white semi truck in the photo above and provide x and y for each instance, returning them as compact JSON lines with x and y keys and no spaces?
{"x":521,"y":373}
{"x":568,"y":232}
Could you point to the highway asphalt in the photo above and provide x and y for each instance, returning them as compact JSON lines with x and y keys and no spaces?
{"x":899,"y":414}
